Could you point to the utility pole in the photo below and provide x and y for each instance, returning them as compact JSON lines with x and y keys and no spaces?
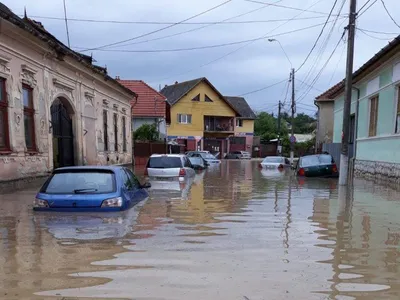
{"x":279,"y":128}
{"x":344,"y":156}
{"x":292,"y":121}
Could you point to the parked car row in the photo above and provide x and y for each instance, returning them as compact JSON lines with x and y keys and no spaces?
{"x":318,"y":165}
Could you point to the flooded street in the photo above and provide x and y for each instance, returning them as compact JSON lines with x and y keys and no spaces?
{"x":236,"y":233}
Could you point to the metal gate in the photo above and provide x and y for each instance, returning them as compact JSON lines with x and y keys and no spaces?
{"x":63,"y":139}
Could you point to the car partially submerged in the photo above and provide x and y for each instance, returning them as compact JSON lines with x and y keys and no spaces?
{"x":90,"y":189}
{"x":208,"y":158}
{"x":275,"y":162}
{"x":198,"y":163}
{"x":318,"y":165}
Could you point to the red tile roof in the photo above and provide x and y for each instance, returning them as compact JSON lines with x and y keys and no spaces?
{"x":149,"y":103}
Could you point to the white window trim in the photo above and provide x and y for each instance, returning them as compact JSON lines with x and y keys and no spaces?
{"x":186,"y":117}
{"x":238,"y":123}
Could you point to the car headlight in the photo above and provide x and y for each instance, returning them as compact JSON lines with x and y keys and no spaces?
{"x":112,"y":202}
{"x":40,"y":203}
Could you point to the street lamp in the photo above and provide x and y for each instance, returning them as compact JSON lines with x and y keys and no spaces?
{"x":275,"y":40}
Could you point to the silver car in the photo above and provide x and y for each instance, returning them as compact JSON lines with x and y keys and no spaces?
{"x":275,"y":162}
{"x":238,"y":155}
{"x":169,"y":166}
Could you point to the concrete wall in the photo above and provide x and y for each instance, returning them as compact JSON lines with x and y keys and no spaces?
{"x":26,"y":60}
{"x":325,"y":122}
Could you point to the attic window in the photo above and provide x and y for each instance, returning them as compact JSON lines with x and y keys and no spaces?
{"x":208,"y":99}
{"x":197,"y":98}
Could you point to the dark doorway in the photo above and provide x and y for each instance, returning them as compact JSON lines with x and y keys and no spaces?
{"x":63,"y":139}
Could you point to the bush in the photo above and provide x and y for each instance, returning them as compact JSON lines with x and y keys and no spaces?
{"x":146,"y":133}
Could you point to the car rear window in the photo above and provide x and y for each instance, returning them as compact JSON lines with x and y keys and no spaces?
{"x":164,"y":162}
{"x":316,"y":160}
{"x":207,"y":156}
{"x":273,"y":159}
{"x":196,"y":161}
{"x":79,"y":182}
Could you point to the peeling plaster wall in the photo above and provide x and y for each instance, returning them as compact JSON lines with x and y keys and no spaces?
{"x":24,"y":59}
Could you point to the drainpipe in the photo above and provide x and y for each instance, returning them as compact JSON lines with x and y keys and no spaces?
{"x":356,"y":127}
{"x":316,"y":136}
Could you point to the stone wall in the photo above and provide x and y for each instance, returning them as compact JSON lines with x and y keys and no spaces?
{"x":375,"y":170}
{"x":25,"y":60}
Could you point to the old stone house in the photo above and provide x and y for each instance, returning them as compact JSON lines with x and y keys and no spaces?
{"x":56,"y":107}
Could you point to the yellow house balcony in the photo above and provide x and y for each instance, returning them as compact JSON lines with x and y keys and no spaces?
{"x":218,"y":124}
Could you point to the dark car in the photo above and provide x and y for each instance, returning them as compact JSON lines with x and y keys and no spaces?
{"x":90,"y":188}
{"x":198,"y":163}
{"x":319,"y":165}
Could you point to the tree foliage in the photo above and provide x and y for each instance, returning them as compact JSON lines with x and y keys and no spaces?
{"x":146,"y":133}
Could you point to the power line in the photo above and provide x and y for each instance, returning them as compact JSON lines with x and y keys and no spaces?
{"x":303,"y":104}
{"x":239,"y":48}
{"x":210,"y":46}
{"x":319,"y":36}
{"x":337,"y":65}
{"x":378,"y":32}
{"x":198,"y":28}
{"x":263,"y":88}
{"x":171,"y":23}
{"x":359,"y":14}
{"x":388,"y":13}
{"x":66,"y":23}
{"x":365,"y":4}
{"x":309,"y":85}
{"x":160,"y":29}
{"x":289,"y":7}
{"x":374,"y":37}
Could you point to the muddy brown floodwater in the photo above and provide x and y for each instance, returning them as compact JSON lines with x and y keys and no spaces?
{"x":236,"y":233}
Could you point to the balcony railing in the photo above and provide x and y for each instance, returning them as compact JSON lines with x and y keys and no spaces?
{"x":218,"y":124}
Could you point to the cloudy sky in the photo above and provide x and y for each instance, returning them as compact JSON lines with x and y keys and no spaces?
{"x":235,"y":54}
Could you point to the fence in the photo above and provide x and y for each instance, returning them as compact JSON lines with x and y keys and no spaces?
{"x":334,"y":149}
{"x":143,"y":150}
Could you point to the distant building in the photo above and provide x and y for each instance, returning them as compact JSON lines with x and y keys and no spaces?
{"x":56,"y":107}
{"x":149,"y":107}
{"x":202,"y":118}
{"x":375,"y":114}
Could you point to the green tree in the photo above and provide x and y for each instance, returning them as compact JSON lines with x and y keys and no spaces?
{"x":265,"y":126}
{"x":146,"y":132}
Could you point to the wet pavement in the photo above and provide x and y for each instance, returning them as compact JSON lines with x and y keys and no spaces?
{"x":235,"y":233}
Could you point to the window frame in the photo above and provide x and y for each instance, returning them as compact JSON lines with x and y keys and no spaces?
{"x":207,"y":99}
{"x":105,"y":129}
{"x":180,"y":118}
{"x":239,"y":123}
{"x":397,"y":111}
{"x":124,"y":141}
{"x":371,"y":99}
{"x":115,"y":123}
{"x":4,"y":108}
{"x":30,"y":112}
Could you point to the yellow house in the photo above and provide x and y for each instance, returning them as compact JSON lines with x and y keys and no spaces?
{"x":202,"y":118}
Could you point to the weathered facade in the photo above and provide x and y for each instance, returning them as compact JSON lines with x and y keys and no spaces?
{"x":56,"y":107}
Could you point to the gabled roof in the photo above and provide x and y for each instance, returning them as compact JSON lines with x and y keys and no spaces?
{"x":37,"y":30}
{"x":149,"y":102}
{"x":177,"y":91}
{"x":242,"y":107}
{"x":385,"y":53}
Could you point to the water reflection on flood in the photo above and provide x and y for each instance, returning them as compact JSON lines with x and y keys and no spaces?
{"x":234,"y":232}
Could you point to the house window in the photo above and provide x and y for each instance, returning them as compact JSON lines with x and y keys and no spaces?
{"x":4,"y":139}
{"x":373,"y":116}
{"x":397,"y":130}
{"x":197,"y":98}
{"x":208,"y":99}
{"x":184,"y":119}
{"x":124,"y":134}
{"x":115,"y":118}
{"x":239,"y":123}
{"x":105,"y":132}
{"x":29,"y":121}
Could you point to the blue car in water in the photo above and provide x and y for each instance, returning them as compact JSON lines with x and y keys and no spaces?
{"x":90,"y":189}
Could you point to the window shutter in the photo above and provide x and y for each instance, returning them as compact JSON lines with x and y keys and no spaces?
{"x":178,"y":119}
{"x":373,"y":117}
{"x":208,"y":99}
{"x":197,"y":98}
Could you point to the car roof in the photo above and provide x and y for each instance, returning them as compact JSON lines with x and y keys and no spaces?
{"x":107,"y":168}
{"x":168,"y":155}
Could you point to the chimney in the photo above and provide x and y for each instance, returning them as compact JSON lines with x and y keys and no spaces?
{"x":116,"y":77}
{"x":176,"y":82}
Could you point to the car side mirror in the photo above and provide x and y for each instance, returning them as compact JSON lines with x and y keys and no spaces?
{"x":146,"y":185}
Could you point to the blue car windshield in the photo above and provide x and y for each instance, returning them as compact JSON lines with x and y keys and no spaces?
{"x":207,"y":156}
{"x":83,"y":182}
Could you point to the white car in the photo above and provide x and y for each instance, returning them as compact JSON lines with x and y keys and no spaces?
{"x":275,"y":162}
